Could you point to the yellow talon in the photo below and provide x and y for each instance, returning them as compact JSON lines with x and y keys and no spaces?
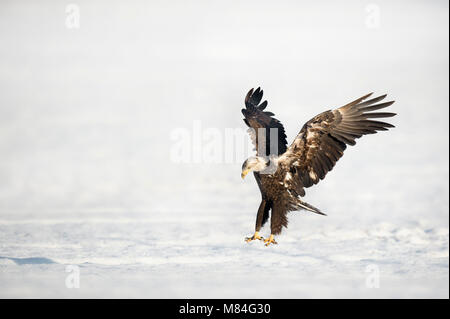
{"x":254,"y":237}
{"x":270,"y":240}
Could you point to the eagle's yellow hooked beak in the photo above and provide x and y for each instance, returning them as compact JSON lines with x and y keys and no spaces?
{"x":244,"y":173}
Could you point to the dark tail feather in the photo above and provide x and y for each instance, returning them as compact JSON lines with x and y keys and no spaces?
{"x":310,"y":208}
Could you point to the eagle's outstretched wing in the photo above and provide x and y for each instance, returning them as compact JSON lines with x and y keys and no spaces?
{"x":266,"y":132}
{"x":323,"y":139}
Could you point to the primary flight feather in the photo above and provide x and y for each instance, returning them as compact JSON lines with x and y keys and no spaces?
{"x":282,"y":173}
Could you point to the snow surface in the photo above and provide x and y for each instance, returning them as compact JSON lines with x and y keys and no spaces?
{"x":206,"y":257}
{"x":86,"y":177}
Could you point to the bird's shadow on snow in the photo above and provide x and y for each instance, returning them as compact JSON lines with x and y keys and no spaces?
{"x":30,"y":260}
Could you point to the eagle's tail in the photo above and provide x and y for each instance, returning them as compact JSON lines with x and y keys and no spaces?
{"x":310,"y":208}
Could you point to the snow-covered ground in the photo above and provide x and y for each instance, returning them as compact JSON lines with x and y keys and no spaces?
{"x":206,"y":257}
{"x":88,"y":184}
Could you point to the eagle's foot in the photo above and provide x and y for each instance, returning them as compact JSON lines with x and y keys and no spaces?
{"x":254,"y":237}
{"x":270,"y":240}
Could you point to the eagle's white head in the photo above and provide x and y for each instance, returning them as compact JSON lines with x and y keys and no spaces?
{"x":254,"y":164}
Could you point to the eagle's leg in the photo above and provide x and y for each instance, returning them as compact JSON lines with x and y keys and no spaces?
{"x":277,"y":221}
{"x":261,"y":218}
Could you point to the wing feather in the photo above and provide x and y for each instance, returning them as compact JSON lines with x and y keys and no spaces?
{"x":263,"y":125}
{"x":323,"y":140}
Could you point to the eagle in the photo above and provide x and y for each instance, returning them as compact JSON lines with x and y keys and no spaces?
{"x":282,"y":173}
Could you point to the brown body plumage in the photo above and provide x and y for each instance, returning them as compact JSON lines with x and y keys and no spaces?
{"x":282,"y":173}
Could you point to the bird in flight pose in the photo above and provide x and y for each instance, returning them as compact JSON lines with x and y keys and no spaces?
{"x":282,"y":173}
